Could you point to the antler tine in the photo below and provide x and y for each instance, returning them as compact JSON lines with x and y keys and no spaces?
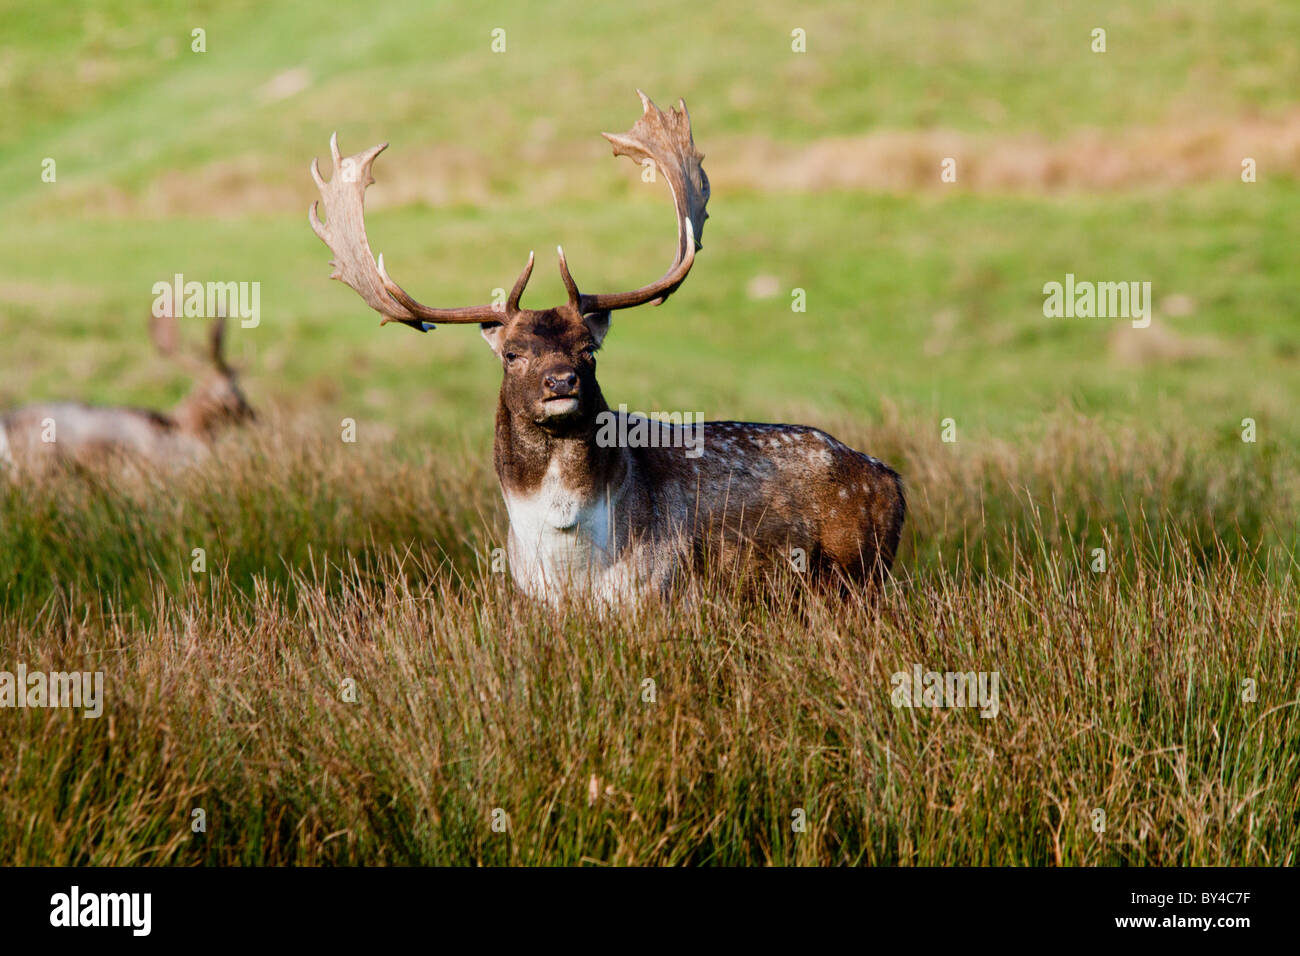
{"x":512,"y":303}
{"x":344,"y":231}
{"x":575,"y":298}
{"x":666,"y":141}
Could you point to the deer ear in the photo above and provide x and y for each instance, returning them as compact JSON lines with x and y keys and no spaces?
{"x":217,"y":344}
{"x":597,"y":324}
{"x":493,"y":334}
{"x":163,"y":331}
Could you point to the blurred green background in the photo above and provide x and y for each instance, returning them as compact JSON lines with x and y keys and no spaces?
{"x":924,"y":299}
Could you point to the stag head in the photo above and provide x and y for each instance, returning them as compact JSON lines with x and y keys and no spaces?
{"x":547,"y":355}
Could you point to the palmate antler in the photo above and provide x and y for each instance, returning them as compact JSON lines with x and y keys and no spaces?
{"x":663,"y":139}
{"x":344,"y":231}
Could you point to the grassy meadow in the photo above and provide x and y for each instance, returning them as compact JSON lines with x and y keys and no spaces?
{"x":1161,"y":690}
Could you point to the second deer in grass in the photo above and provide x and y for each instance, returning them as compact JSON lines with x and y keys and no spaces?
{"x":606,"y":521}
{"x":37,"y":436}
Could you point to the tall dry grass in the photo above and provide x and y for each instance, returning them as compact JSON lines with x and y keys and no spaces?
{"x":1120,"y":691}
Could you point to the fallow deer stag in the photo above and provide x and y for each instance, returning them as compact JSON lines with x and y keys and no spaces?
{"x":37,"y":436}
{"x":592,"y":519}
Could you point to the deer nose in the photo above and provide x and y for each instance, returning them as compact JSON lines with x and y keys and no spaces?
{"x":561,"y":382}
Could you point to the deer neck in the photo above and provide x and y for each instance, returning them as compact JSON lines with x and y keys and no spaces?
{"x":528,"y":458}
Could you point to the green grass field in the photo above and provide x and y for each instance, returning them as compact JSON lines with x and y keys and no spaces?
{"x":1122,"y":689}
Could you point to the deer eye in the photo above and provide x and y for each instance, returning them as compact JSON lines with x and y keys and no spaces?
{"x":512,"y":357}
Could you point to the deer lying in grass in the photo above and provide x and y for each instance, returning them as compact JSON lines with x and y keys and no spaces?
{"x":588,"y":518}
{"x":37,"y":436}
